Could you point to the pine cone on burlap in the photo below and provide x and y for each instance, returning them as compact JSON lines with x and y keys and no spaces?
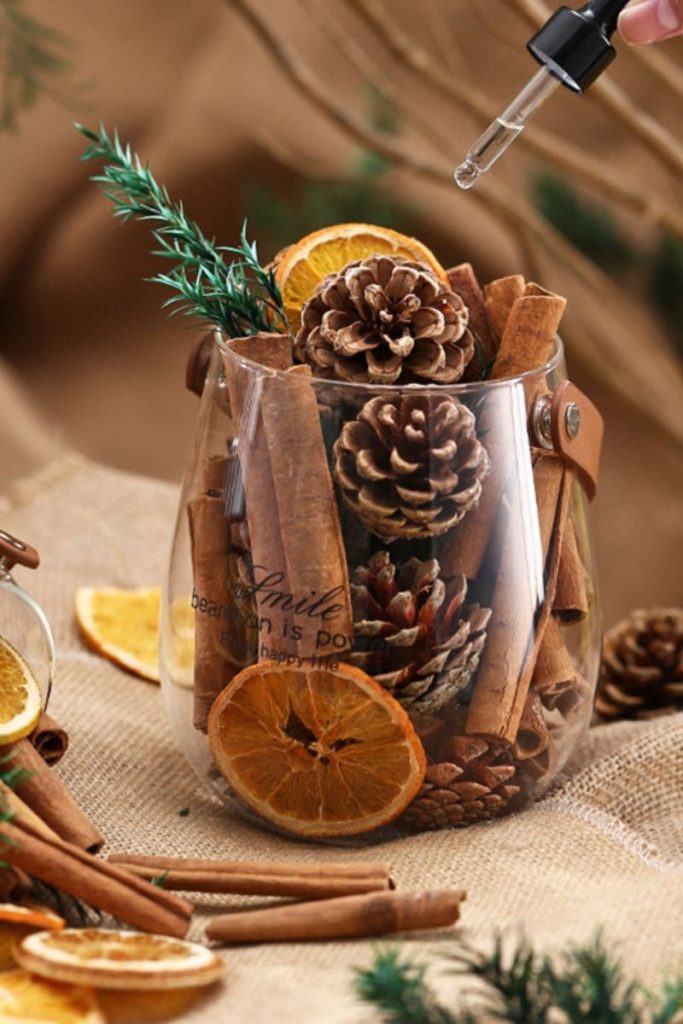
{"x":476,"y":783}
{"x":642,"y":666}
{"x":383,"y":320}
{"x":413,"y":633}
{"x":410,"y":466}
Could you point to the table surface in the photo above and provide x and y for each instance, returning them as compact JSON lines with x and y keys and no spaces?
{"x":603,"y":850}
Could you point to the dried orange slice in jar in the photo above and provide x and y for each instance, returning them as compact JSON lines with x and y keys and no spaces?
{"x":31,"y":1000}
{"x":108,"y":958}
{"x":316,"y":752}
{"x":300,"y":268}
{"x":122,"y":625}
{"x":20,"y":699}
{"x":17,"y":921}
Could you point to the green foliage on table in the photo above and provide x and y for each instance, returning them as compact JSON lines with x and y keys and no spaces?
{"x":32,"y":62}
{"x":237,"y":294}
{"x":585,"y":985}
{"x":360,"y":196}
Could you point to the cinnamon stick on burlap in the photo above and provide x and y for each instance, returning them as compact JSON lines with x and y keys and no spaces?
{"x":464,"y":282}
{"x":259,"y":878}
{"x":571,"y":600}
{"x":45,"y":793}
{"x":33,"y":849}
{"x":377,"y":913}
{"x":299,"y":562}
{"x":50,"y":739}
{"x":523,"y":595}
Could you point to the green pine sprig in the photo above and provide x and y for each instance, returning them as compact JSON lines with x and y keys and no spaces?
{"x":32,"y":62}
{"x":239,"y":294}
{"x":585,"y":985}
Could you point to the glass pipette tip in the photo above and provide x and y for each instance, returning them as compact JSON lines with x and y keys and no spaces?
{"x":502,"y":132}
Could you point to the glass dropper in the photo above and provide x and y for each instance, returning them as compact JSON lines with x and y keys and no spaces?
{"x":573,"y":49}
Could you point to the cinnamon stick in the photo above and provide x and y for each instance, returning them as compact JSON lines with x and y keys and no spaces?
{"x":499,"y":298}
{"x":271,"y":352}
{"x":48,"y":797}
{"x":555,"y":676}
{"x":212,"y":597}
{"x":571,"y":600}
{"x":50,"y":739}
{"x":300,"y":574}
{"x":259,"y":878}
{"x":378,"y":913}
{"x":529,"y":336}
{"x":308,"y":517}
{"x":522,"y":599}
{"x":464,"y":282}
{"x":316,"y":870}
{"x":533,"y":735}
{"x":97,"y":883}
{"x":262,"y":885}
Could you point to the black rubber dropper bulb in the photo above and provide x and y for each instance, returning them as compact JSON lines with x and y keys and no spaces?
{"x":574,"y":47}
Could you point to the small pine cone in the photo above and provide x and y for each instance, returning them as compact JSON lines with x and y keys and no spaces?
{"x":410,"y":466}
{"x":476,"y":783}
{"x":413,"y":632}
{"x":642,"y":666}
{"x":383,"y":320}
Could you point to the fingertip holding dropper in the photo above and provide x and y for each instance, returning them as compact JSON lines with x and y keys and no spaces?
{"x":573,"y":49}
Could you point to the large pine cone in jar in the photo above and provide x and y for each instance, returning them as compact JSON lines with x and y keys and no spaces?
{"x":383,"y":320}
{"x":414,"y":633}
{"x":410,"y":466}
{"x":642,"y":666}
{"x":476,"y":783}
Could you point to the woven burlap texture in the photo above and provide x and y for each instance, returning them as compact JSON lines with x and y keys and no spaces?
{"x":603,"y":850}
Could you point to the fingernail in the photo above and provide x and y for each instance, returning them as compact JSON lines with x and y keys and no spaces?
{"x":650,"y":20}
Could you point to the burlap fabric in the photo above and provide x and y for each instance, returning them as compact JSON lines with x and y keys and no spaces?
{"x":605,"y":849}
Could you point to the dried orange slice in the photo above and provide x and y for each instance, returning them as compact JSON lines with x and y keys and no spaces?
{"x":32,"y":1000}
{"x":17,"y":921}
{"x":20,"y":699}
{"x":301,"y":267}
{"x":122,"y":625}
{"x":116,"y":959}
{"x":314,"y":751}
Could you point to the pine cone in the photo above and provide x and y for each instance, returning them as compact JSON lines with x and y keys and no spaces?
{"x":475,"y":784}
{"x":410,"y":466}
{"x":413,"y":632}
{"x":382,"y":320}
{"x":642,"y":666}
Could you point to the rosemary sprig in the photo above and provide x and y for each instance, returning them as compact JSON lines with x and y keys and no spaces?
{"x":586,"y":985}
{"x":240,"y":296}
{"x":31,"y":62}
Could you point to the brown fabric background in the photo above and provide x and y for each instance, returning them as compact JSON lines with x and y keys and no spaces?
{"x":604,"y":849}
{"x":196,"y":94}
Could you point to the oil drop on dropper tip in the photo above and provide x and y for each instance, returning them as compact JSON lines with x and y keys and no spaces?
{"x":573,"y":49}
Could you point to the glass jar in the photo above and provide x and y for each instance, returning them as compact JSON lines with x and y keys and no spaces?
{"x":432,"y":538}
{"x":23,"y":624}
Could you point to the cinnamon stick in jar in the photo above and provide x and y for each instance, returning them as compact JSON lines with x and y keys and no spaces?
{"x":464,"y":282}
{"x":379,"y":913}
{"x":571,"y":603}
{"x":499,"y":297}
{"x":522,"y":600}
{"x":529,"y":336}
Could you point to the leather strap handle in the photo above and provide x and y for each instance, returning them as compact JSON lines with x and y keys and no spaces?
{"x":15,"y":552}
{"x":568,"y":422}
